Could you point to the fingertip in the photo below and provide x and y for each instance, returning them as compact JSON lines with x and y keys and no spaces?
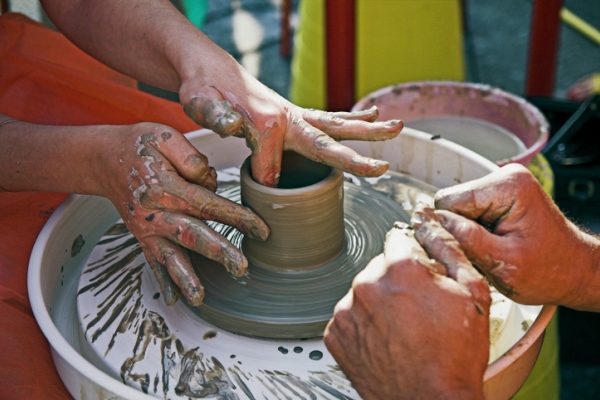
{"x":226,"y":122}
{"x":440,"y":198}
{"x":367,"y":115}
{"x":453,"y":223}
{"x":197,"y":170}
{"x":395,"y":125}
{"x":217,"y":115}
{"x":170,"y":291}
{"x":371,"y":114}
{"x":260,"y":230}
{"x":373,"y":167}
{"x":194,"y":294}
{"x":212,"y":180}
{"x":236,"y":263}
{"x":267,"y":175}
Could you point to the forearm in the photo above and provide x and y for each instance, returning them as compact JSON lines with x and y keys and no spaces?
{"x":147,"y":40}
{"x":51,"y":158}
{"x":586,"y":266}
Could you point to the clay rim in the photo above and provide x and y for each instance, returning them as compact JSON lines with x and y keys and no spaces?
{"x":534,"y":333}
{"x":543,"y":127}
{"x":246,"y":174}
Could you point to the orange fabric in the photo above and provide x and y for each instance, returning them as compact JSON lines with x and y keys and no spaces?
{"x":46,"y":79}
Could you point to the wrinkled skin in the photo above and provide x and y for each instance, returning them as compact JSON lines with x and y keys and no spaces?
{"x":514,"y":233}
{"x":153,"y":42}
{"x":163,"y":188}
{"x":162,"y":48}
{"x":415,"y":324}
{"x":270,"y":125}
{"x":164,"y":155}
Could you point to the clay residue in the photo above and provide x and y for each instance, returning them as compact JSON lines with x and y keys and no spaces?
{"x":77,"y":245}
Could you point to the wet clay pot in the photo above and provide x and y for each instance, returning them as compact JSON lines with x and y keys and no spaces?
{"x":305,"y":214}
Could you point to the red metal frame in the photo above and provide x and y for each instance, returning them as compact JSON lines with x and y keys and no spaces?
{"x":543,"y":48}
{"x":285,"y":44}
{"x":340,"y":50}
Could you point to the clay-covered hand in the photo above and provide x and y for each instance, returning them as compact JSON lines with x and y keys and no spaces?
{"x":412,"y":327}
{"x":515,"y":234}
{"x":239,"y":105}
{"x":165,"y":50}
{"x":164,"y":188}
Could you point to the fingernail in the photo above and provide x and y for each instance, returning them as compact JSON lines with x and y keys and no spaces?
{"x":395,"y":122}
{"x":236,"y":264}
{"x":170,"y":297}
{"x":379,"y":167}
{"x":195,"y":295}
{"x":259,"y":230}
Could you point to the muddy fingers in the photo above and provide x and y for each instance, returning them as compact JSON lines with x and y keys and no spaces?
{"x":168,"y":287}
{"x":177,"y":262}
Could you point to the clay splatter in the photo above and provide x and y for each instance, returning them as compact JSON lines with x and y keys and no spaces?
{"x":184,"y":371}
{"x":209,"y":335}
{"x":77,"y":245}
{"x":114,"y":279}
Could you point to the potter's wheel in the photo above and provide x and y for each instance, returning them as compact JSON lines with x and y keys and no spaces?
{"x":129,"y":332}
{"x":188,"y":349}
{"x":297,"y":304}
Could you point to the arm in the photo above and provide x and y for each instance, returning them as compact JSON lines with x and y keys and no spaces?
{"x":513,"y":232}
{"x":400,"y":332}
{"x":159,"y":183}
{"x":153,"y":42}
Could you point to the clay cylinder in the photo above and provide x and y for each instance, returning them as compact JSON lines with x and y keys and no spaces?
{"x":305,"y":214}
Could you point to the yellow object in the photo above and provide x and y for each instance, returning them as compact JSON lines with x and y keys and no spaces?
{"x":541,"y":169}
{"x":308,"y":85}
{"x":396,"y":41}
{"x":595,"y":83}
{"x":407,"y":40}
{"x":580,"y":25}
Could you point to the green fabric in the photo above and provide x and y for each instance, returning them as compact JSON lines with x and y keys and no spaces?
{"x":195,"y":11}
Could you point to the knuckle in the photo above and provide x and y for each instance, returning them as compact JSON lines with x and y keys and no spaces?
{"x":363,"y":292}
{"x":328,"y":118}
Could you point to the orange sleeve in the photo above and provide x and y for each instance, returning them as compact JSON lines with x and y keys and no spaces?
{"x":45,"y":79}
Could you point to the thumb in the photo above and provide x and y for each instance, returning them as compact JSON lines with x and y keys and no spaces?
{"x":215,"y":114}
{"x":480,"y":246}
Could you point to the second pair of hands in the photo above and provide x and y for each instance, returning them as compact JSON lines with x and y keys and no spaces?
{"x":419,"y":312}
{"x":166,"y":187}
